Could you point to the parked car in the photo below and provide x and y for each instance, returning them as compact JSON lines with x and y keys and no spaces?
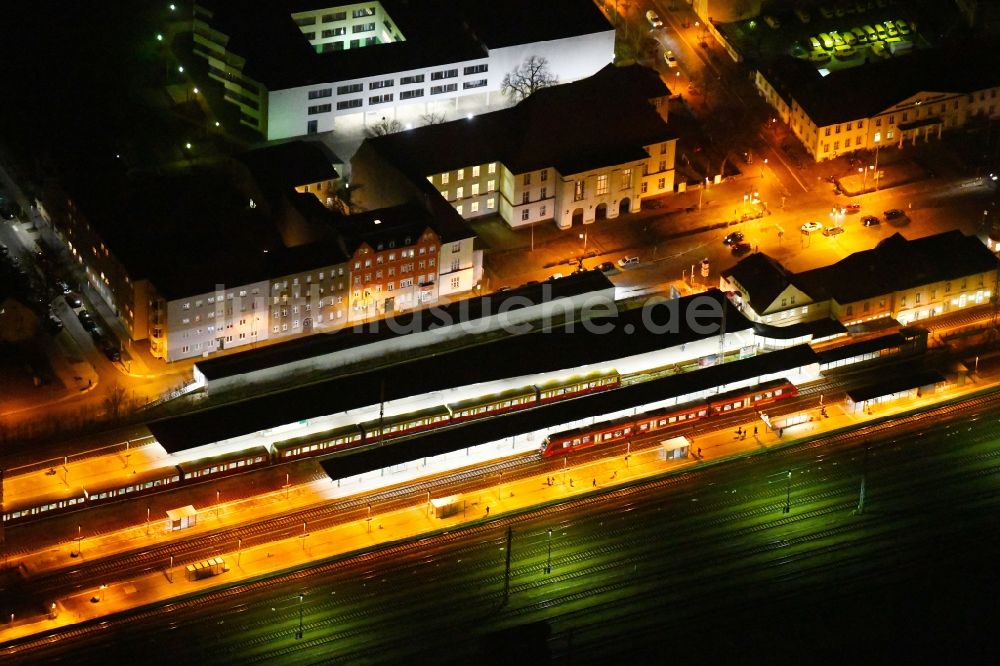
{"x":654,"y":19}
{"x":3,"y":250}
{"x":628,"y":261}
{"x":870,"y":221}
{"x":63,"y":287}
{"x":53,"y":324}
{"x":73,"y":300}
{"x":86,"y":320}
{"x":110,"y":350}
{"x":853,"y":207}
{"x":668,"y":57}
{"x":731,"y":238}
{"x":739,"y":249}
{"x":606,"y":267}
{"x":811,"y":227}
{"x":833,"y":231}
{"x":894,"y":214}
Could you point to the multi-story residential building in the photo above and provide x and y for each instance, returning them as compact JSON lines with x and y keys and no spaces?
{"x":572,"y":153}
{"x":208,"y":258}
{"x":893,"y":103}
{"x":295,"y":68}
{"x":907,"y":280}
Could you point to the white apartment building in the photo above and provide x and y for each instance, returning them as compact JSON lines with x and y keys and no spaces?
{"x":322,"y":66}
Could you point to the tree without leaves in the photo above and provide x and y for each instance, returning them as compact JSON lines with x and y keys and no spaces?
{"x":531,"y":75}
{"x":432,"y":118}
{"x":383,"y":127}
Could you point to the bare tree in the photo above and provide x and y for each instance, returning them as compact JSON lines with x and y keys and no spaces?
{"x":531,"y":75}
{"x":383,"y":127}
{"x":115,"y":402}
{"x":431,"y":118}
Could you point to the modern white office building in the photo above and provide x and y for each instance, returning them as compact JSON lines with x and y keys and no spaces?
{"x":296,"y":67}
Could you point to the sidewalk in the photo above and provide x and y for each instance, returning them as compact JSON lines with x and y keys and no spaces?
{"x":385,"y":528}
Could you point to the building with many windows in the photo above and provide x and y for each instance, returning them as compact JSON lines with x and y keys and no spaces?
{"x":572,"y":153}
{"x":296,"y":67}
{"x":907,"y":280}
{"x":213,"y":257}
{"x":889,"y":104}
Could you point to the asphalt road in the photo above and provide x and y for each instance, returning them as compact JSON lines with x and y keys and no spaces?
{"x":703,"y":566}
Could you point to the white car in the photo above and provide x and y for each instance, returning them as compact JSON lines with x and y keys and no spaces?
{"x":654,"y":19}
{"x":628,"y":261}
{"x":668,"y":57}
{"x":811,"y":227}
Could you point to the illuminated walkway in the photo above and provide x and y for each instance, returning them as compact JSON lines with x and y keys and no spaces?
{"x":386,"y":527}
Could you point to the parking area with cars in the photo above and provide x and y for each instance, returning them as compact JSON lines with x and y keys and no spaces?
{"x":838,"y":33}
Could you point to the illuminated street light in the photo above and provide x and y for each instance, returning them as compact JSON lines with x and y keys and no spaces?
{"x":180,"y":68}
{"x":159,"y":37}
{"x":173,"y":7}
{"x":298,"y":634}
{"x":548,"y":562}
{"x":187,"y":145}
{"x":217,"y":123}
{"x":788,"y":494}
{"x":195,"y":91}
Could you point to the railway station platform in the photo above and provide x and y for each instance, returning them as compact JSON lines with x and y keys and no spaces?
{"x":480,"y":509}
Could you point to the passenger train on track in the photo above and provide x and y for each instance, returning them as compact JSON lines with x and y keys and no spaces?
{"x":374,"y":432}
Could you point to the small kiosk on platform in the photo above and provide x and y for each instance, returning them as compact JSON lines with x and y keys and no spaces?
{"x":675,"y":447}
{"x":182,"y":518}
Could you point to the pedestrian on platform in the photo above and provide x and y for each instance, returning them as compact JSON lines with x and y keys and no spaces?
{"x":487,"y":511}
{"x":571,"y":483}
{"x":593,"y":483}
{"x":699,"y":453}
{"x":755,"y":431}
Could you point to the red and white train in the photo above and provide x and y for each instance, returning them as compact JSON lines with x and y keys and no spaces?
{"x":616,"y":430}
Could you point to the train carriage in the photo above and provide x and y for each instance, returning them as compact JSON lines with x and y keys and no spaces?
{"x":63,"y":500}
{"x":404,"y":424}
{"x":142,"y":482}
{"x":231,"y":463}
{"x":577,"y":386}
{"x":492,"y":405}
{"x":622,"y":428}
{"x":316,"y":444}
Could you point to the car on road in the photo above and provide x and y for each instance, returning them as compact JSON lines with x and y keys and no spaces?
{"x":894,"y":214}
{"x":86,"y":320}
{"x":731,"y":238}
{"x":628,"y":261}
{"x":870,"y":221}
{"x":606,"y":267}
{"x":833,"y":231}
{"x":53,"y":324}
{"x":852,"y":207}
{"x":811,"y":227}
{"x":654,"y":19}
{"x":668,"y":57}
{"x":73,"y":300}
{"x":110,"y":349}
{"x":739,"y":249}
{"x":3,"y":250}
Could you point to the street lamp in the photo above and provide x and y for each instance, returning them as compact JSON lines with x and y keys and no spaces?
{"x":79,"y":542}
{"x":103,"y":587}
{"x":548,"y":561}
{"x":298,"y":634}
{"x":788,"y":494}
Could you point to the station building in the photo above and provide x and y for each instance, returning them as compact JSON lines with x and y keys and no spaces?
{"x":572,"y":153}
{"x":906,"y":99}
{"x":906,"y":280}
{"x":297,"y":67}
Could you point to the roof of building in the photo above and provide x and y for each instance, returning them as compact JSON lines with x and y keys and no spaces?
{"x":817,"y":329}
{"x":896,"y":264}
{"x":762,"y":277}
{"x":838,"y":97}
{"x":631,"y":332}
{"x":467,"y":310}
{"x":517,"y":423}
{"x":436,"y":32}
{"x":895,"y":385}
{"x":867,"y":346}
{"x":292,"y":164}
{"x":612,"y":120}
